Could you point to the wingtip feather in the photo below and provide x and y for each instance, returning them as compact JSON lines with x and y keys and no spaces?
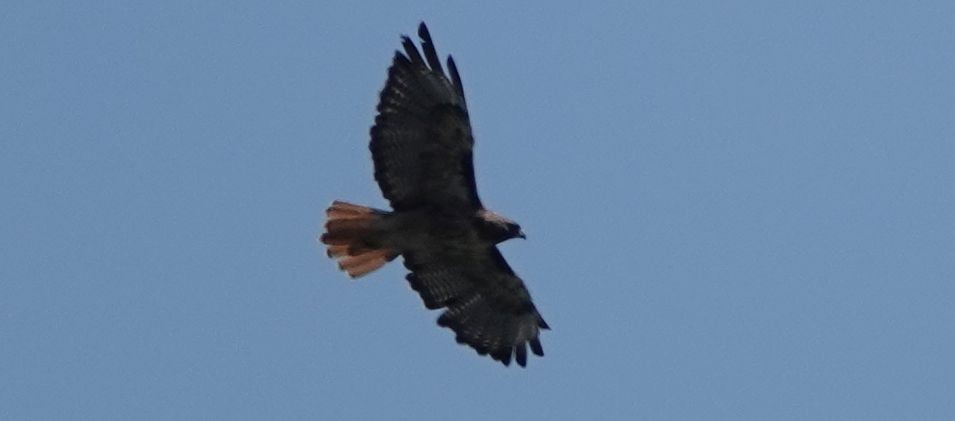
{"x":542,"y":324}
{"x":411,"y":51}
{"x":521,"y":357}
{"x":430,"y":53}
{"x":455,"y":77}
{"x":423,"y":31}
{"x":536,"y":347}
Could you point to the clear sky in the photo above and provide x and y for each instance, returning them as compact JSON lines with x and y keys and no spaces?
{"x":735,"y":210}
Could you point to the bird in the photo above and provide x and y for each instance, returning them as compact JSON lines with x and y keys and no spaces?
{"x":422,"y":149}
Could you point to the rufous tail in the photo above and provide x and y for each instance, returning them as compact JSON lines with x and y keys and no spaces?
{"x":350,"y":233}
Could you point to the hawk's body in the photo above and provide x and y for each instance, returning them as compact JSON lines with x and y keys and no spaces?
{"x":422,"y":145}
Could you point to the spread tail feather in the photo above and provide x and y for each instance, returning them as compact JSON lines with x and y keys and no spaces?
{"x":351,"y":234}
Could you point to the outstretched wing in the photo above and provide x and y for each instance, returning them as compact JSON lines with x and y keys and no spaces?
{"x":421,"y":142}
{"x":488,"y":306}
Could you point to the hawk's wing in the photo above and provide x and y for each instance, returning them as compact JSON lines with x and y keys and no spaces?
{"x":488,"y":306}
{"x":421,"y":142}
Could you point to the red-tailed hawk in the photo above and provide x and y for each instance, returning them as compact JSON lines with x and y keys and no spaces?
{"x":421,"y":145}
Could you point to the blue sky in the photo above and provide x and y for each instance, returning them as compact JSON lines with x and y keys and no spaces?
{"x":735,"y":210}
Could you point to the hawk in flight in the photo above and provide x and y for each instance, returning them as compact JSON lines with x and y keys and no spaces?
{"x":421,"y":145}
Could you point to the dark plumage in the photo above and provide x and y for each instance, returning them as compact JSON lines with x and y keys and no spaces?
{"x":421,"y":145}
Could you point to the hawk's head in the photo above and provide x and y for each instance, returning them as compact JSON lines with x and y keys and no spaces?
{"x":498,"y":228}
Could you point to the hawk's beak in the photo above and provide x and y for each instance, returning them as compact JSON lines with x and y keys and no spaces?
{"x":522,"y":235}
